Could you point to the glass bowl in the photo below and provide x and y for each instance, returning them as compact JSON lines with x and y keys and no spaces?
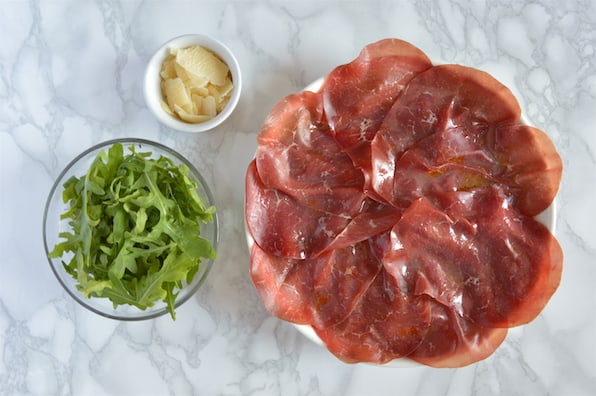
{"x":53,"y":225}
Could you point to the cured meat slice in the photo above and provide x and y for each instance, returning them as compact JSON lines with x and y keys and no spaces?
{"x":282,"y":226}
{"x":443,"y":97}
{"x":533,"y":166}
{"x":387,"y":324}
{"x":321,"y":291}
{"x":433,"y":254}
{"x":453,"y":341}
{"x":297,"y":155}
{"x":357,"y":95}
{"x":517,"y":156}
{"x":375,"y":218}
{"x":448,"y":160}
{"x":481,"y":258}
{"x":525,"y":258}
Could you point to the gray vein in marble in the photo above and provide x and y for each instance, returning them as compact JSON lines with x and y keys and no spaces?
{"x":544,"y":50}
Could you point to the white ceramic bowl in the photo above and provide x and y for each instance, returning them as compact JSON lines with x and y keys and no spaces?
{"x":152,"y":89}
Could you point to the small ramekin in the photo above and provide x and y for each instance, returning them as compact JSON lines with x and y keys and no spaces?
{"x":152,"y":88}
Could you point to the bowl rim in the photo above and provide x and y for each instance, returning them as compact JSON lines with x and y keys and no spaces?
{"x":208,"y":263}
{"x":152,"y":89}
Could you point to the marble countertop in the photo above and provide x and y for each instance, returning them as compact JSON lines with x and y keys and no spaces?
{"x":71,"y":76}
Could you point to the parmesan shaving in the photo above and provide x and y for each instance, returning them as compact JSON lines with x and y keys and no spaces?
{"x":196,"y":85}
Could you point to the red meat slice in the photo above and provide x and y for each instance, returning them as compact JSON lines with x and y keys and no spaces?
{"x":297,"y":156}
{"x":453,"y":341}
{"x":457,"y":159}
{"x":374,"y":219}
{"x":386,"y":324}
{"x":525,"y":258}
{"x":443,"y":97}
{"x":357,"y":95}
{"x":321,"y":291}
{"x":282,"y":226}
{"x":533,"y":166}
{"x":481,"y":258}
{"x":448,"y":160}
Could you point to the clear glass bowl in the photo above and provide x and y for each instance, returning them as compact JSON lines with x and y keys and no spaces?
{"x":53,"y":226}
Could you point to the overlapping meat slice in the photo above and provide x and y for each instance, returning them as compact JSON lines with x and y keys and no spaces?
{"x":321,"y":291}
{"x":462,"y":134}
{"x":373,"y":219}
{"x":533,"y":168}
{"x":387,"y":324}
{"x":297,"y":156}
{"x":525,"y":258}
{"x":467,"y":102}
{"x":519,"y":157}
{"x":454,"y":341}
{"x":447,"y":160}
{"x":282,"y":226}
{"x":478,"y":256}
{"x":357,"y":95}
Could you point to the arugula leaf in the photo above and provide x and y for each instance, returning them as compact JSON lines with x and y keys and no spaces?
{"x":135,"y":229}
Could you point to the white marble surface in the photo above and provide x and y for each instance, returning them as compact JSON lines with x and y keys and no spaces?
{"x":70,"y":76}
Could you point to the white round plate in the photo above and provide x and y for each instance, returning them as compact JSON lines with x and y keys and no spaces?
{"x":547,"y":217}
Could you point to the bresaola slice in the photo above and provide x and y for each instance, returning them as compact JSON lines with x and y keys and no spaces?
{"x":357,"y":95}
{"x":447,"y":160}
{"x":387,"y":324}
{"x":322,"y":290}
{"x":533,"y":166}
{"x":444,"y":98}
{"x":270,"y":212}
{"x":523,"y":257}
{"x":393,"y":210}
{"x":297,"y":155}
{"x":454,"y":341}
{"x":465,"y":259}
{"x":374,"y":218}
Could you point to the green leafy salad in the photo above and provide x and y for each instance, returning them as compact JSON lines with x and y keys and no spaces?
{"x":135,"y":229}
